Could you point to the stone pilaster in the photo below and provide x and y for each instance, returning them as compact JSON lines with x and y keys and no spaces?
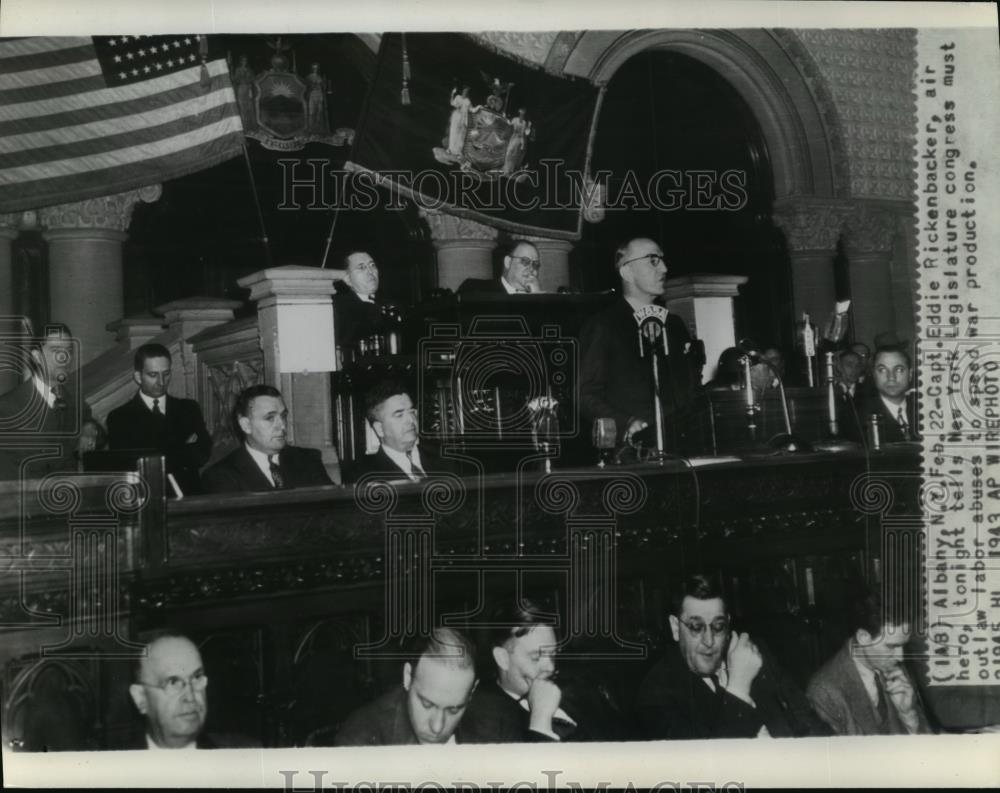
{"x":85,"y":263}
{"x":705,"y":303}
{"x":554,"y":255}
{"x":187,"y":318}
{"x":295,"y":319}
{"x":812,"y":228}
{"x":869,"y":238}
{"x":464,"y":248}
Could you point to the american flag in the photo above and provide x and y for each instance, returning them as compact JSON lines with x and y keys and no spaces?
{"x":84,"y":117}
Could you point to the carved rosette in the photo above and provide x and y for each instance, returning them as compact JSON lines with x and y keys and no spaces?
{"x":447,"y":228}
{"x":870,"y":230}
{"x":113,"y":212}
{"x":812,"y":224}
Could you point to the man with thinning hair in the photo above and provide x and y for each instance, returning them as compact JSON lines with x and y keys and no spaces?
{"x":357,"y":309}
{"x":615,"y":379}
{"x":519,"y":277}
{"x":428,"y":707}
{"x":156,"y":421}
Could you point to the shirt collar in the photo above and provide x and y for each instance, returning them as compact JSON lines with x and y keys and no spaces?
{"x":867,"y":680}
{"x":263,"y":461}
{"x":894,"y":409}
{"x":400,"y":459}
{"x":148,"y":401}
{"x":44,"y":391}
{"x":364,"y":298}
{"x":151,"y":744}
{"x":507,"y":287}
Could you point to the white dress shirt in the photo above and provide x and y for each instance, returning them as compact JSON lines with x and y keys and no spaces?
{"x":148,"y":402}
{"x":151,"y":744}
{"x":559,"y":714}
{"x":404,"y":462}
{"x":44,"y":391}
{"x":263,"y":462}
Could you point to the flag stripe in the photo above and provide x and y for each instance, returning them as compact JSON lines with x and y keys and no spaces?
{"x":88,"y":114}
{"x":170,"y":125}
{"x":50,"y":75}
{"x":40,"y":44}
{"x":75,"y":124}
{"x":124,"y":156}
{"x":53,"y":190}
{"x":16,"y":64}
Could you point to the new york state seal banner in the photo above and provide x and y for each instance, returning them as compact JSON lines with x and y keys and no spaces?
{"x":458,"y":127}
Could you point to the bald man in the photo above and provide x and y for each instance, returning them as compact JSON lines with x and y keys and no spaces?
{"x":169,"y":690}
{"x":520,"y":274}
{"x":357,"y":310}
{"x":615,"y":381}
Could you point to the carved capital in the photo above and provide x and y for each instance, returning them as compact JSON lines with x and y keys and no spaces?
{"x":870,"y":229}
{"x":113,"y":212}
{"x":445,"y":227}
{"x":811,"y":224}
{"x":10,"y":225}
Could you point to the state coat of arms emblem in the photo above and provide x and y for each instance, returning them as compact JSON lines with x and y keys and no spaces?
{"x":483,"y":139}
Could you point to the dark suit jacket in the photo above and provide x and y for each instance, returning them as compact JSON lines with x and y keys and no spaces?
{"x":615,"y":381}
{"x":381,"y":463}
{"x":355,"y":318}
{"x":673,"y":702}
{"x":888,"y":427}
{"x":583,"y":704}
{"x":481,"y":286}
{"x":385,"y":722}
{"x":238,"y":473}
{"x":839,"y":697}
{"x":133,"y":426}
{"x":25,"y":414}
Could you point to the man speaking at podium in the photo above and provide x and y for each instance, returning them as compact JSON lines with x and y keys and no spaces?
{"x":615,"y":376}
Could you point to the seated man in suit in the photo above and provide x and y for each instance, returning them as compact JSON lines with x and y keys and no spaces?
{"x":717,"y":683}
{"x":520,"y":274}
{"x":892,"y":402}
{"x":428,"y":708}
{"x":154,"y":420}
{"x":393,"y":417}
{"x":615,"y":380}
{"x":45,"y":408}
{"x":865,"y":688}
{"x":524,"y":696}
{"x":848,"y":371}
{"x":357,"y":310}
{"x":264,"y":461}
{"x":168,"y":689}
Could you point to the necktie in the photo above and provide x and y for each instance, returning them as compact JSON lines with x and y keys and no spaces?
{"x":59,"y":398}
{"x":882,"y":706}
{"x":717,"y":684}
{"x":279,"y":480}
{"x":416,"y":471}
{"x":156,"y":408}
{"x":901,"y":418}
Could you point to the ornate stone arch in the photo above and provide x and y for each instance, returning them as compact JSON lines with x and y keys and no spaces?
{"x":801,"y":132}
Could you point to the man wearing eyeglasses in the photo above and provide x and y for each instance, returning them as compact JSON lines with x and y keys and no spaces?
{"x":519,"y":277}
{"x":615,"y":378}
{"x":716,"y":682}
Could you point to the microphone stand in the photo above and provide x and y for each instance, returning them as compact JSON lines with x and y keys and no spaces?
{"x":835,"y":443}
{"x":751,"y":405}
{"x":647,"y":346}
{"x":783,"y":442}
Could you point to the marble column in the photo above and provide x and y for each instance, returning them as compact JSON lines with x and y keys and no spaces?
{"x":554,"y":256}
{"x":463,"y":247}
{"x":85,"y":264}
{"x":705,"y":303}
{"x":871,"y":231}
{"x":9,"y":229}
{"x":295,"y":320}
{"x":812,"y":228}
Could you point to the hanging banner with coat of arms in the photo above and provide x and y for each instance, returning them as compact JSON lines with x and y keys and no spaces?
{"x":461,"y":128}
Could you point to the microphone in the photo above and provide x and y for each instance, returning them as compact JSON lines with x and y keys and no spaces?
{"x":748,"y":348}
